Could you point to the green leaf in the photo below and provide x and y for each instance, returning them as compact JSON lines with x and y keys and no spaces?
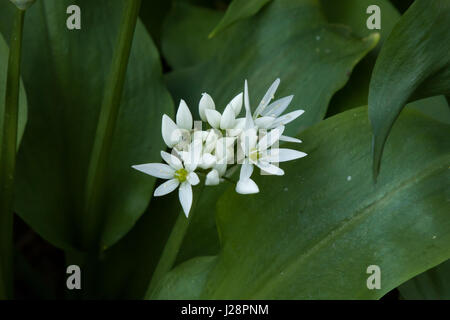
{"x":238,"y":10}
{"x":352,"y":13}
{"x":433,"y":284}
{"x":312,"y":233}
{"x":186,"y":281}
{"x":413,"y":63}
{"x":64,"y":108}
{"x":287,"y":39}
{"x":106,"y":127}
{"x":153,"y":14}
{"x":268,"y":46}
{"x":185,"y":35}
{"x":127,"y":267}
{"x":435,"y":107}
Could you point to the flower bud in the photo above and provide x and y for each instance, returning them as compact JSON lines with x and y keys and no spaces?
{"x":206,"y":102}
{"x":212,"y":178}
{"x":236,"y":104}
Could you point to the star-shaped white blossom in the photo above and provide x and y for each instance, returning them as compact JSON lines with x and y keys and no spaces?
{"x":268,"y":116}
{"x":176,"y":174}
{"x":259,"y":152}
{"x":211,"y":151}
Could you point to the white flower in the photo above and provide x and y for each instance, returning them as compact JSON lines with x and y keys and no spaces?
{"x":258,"y":152}
{"x":268,"y":116}
{"x":176,"y":174}
{"x":227,"y":120}
{"x":178,"y":135}
{"x":213,"y":149}
{"x":224,"y":151}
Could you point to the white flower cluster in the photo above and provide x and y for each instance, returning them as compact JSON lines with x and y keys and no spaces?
{"x":212,"y":151}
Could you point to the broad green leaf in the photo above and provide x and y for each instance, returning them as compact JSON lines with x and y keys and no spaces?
{"x":64,"y":107}
{"x":435,"y":107}
{"x":286,"y":39}
{"x":268,"y":46}
{"x":352,"y":13}
{"x":126,"y":268}
{"x":238,"y":9}
{"x":433,"y":284}
{"x":413,"y":63}
{"x":312,"y":233}
{"x":355,"y":92}
{"x":186,"y":281}
{"x":185,"y":35}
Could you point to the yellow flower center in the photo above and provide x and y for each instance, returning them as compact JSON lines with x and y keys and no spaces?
{"x":254,"y":155}
{"x":181,"y":175}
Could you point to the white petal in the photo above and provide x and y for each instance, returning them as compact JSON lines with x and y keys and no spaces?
{"x":224,"y":148}
{"x":184,"y":155}
{"x":248,"y":140}
{"x":264,"y":122}
{"x":213,"y":117}
{"x":237,"y":129}
{"x":169,"y":131}
{"x":171,"y":160}
{"x":277,"y":107}
{"x":166,"y":187}
{"x":199,"y":135}
{"x":281,"y":155}
{"x":266,"y":99}
{"x":227,"y":119}
{"x":206,"y":102}
{"x":210,"y":142}
{"x":239,"y":123}
{"x":290,"y":139}
{"x":270,"y":138}
{"x":158,"y":170}
{"x":247,"y":186}
{"x":195,"y":151}
{"x":270,"y":168}
{"x":285,"y":119}
{"x":236,"y":104}
{"x":246,"y":171}
{"x":193,"y":179}
{"x":184,"y":116}
{"x":185,"y":196}
{"x":212,"y":178}
{"x":248,"y":113}
{"x":208,"y":161}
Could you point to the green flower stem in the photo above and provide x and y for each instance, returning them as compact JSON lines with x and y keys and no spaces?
{"x":173,"y":245}
{"x":8,"y":156}
{"x":92,"y":221}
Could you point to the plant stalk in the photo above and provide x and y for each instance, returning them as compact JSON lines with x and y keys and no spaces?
{"x":172,"y":246}
{"x":8,"y":146}
{"x":106,"y":126}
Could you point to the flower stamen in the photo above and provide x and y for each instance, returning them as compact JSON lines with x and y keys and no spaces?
{"x":181,"y":175}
